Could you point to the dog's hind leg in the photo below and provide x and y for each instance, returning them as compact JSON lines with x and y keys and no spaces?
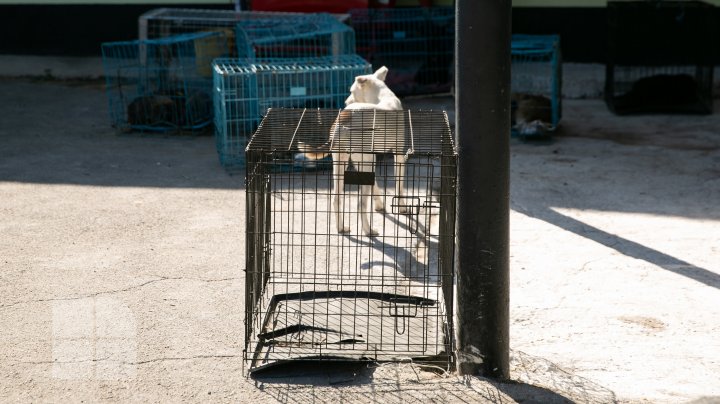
{"x":378,"y":198}
{"x":399,"y":170}
{"x":340,"y":162}
{"x":364,"y":209}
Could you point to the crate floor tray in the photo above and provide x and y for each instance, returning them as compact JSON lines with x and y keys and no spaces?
{"x":349,"y":325}
{"x":333,"y":296}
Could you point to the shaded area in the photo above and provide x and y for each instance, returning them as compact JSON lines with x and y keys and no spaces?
{"x":58,"y":134}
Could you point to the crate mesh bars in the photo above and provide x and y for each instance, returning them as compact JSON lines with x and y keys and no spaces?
{"x":244,"y":90}
{"x":536,"y":84}
{"x":164,"y":22}
{"x":417,"y":44}
{"x":313,"y":35}
{"x":665,"y":64}
{"x":162,"y":85}
{"x":355,"y":261}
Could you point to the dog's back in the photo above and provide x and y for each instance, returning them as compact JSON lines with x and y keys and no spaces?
{"x":368,"y":122}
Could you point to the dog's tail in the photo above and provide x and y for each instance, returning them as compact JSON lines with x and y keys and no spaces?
{"x":314,"y":152}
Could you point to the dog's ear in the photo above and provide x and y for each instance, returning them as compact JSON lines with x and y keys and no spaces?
{"x":381,"y":73}
{"x":361,"y":80}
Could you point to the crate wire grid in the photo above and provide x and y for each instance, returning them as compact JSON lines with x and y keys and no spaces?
{"x":164,"y":22}
{"x":687,"y":89}
{"x":536,"y":70}
{"x":312,"y":293}
{"x":313,"y":35}
{"x":415,"y":43}
{"x":663,"y":65}
{"x":161,"y":85}
{"x":245,"y":90}
{"x":625,"y":76}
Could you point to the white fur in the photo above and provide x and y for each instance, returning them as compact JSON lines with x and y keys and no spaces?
{"x":368,"y":92}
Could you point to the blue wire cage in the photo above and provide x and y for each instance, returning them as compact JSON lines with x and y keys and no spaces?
{"x":313,"y":35}
{"x":536,"y":84}
{"x":245,"y":90}
{"x":162,"y":85}
{"x":417,"y":44}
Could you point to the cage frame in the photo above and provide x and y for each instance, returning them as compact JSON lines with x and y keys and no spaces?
{"x":266,"y":174}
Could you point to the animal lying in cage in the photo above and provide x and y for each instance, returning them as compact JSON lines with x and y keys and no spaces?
{"x":659,"y":92}
{"x":531,"y":114}
{"x":172,"y":109}
{"x":162,"y":85}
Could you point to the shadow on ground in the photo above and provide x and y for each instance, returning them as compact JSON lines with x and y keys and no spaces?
{"x":54,"y":133}
{"x":535,"y":380}
{"x":59,"y":133}
{"x":624,"y":246}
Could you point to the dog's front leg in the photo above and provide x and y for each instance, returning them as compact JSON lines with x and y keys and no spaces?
{"x":340,"y":162}
{"x":365,"y":162}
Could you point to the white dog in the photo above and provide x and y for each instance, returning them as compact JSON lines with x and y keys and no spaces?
{"x":348,"y":144}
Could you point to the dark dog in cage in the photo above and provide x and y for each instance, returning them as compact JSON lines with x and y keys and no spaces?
{"x":368,"y":92}
{"x":150,"y":110}
{"x":170,"y":108}
{"x":531,"y":114}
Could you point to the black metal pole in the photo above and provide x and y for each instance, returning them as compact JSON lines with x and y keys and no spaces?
{"x":482,"y":100}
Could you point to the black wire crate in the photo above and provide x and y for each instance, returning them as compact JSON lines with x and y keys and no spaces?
{"x":661,"y":57}
{"x":353,"y":259}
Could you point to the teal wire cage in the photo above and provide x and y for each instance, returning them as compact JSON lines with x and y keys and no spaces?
{"x":244,"y":90}
{"x":536,"y":84}
{"x":162,"y":85}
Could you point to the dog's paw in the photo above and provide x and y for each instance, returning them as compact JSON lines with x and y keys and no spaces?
{"x":378,"y":204}
{"x":343,"y":230}
{"x":403,"y":210}
{"x":372,"y":233}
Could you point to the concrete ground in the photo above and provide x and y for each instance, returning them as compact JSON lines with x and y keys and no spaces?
{"x":121,"y":265}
